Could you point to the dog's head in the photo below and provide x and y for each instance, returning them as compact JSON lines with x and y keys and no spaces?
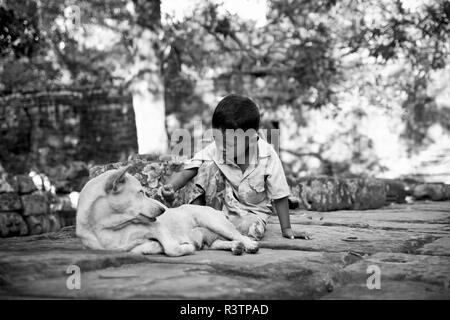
{"x":113,"y":209}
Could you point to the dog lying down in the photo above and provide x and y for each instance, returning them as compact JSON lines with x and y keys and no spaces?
{"x":115,"y":214}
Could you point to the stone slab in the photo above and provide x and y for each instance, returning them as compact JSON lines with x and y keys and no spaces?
{"x":333,"y":265}
{"x":343,"y":239}
{"x":207,"y":274}
{"x":424,"y":221}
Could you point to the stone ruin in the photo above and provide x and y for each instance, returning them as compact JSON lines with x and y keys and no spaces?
{"x":37,"y":204}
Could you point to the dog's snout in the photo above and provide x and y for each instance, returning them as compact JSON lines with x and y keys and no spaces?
{"x":161,"y":210}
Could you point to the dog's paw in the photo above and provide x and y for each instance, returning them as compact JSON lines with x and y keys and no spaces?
{"x":251,"y":246}
{"x":149,"y":247}
{"x":237,"y":248}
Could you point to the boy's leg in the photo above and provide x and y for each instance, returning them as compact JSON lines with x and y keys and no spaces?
{"x":207,"y":188}
{"x":250,"y":225}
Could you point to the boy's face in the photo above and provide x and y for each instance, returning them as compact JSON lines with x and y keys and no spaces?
{"x":234,"y":144}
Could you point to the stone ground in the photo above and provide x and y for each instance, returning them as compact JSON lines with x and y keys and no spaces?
{"x":410,"y":244}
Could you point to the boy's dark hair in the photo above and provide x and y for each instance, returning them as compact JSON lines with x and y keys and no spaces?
{"x":236,"y":112}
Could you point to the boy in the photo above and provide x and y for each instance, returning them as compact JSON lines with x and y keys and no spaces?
{"x":239,"y":177}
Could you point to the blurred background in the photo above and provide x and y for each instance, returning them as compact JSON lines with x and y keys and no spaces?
{"x":357,"y":88}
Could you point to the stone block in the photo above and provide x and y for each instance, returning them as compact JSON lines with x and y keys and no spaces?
{"x":38,"y":224}
{"x":67,"y":218}
{"x":10,"y":202}
{"x":12,"y":224}
{"x":431,"y":191}
{"x":26,"y":184}
{"x":35,"y":203}
{"x":447,"y":191}
{"x":366,"y":193}
{"x":396,"y":191}
{"x":323,"y":193}
{"x":8,"y":183}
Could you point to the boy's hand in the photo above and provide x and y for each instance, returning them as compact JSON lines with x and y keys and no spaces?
{"x":168,"y":192}
{"x":290,"y":234}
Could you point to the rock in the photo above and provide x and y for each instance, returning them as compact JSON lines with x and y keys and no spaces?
{"x":432,"y":191}
{"x":12,"y":224}
{"x":38,"y":224}
{"x":10,"y":202}
{"x":330,"y":194}
{"x":62,"y":206}
{"x":440,"y":246}
{"x":323,"y":193}
{"x":7,"y":183}
{"x":26,"y":184}
{"x":366,"y":193}
{"x":35,"y":203}
{"x":447,"y":191}
{"x":67,"y":218}
{"x":396,"y":191}
{"x":328,"y":266}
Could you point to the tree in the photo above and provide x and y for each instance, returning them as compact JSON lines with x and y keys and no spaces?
{"x":310,"y":54}
{"x":67,"y":48}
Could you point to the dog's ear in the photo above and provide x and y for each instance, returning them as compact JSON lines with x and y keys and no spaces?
{"x":116,"y":181}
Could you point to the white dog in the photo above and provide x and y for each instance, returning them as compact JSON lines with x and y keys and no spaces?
{"x":115,"y":214}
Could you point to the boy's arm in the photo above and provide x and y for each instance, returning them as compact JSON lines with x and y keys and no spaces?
{"x":177,"y":181}
{"x":282,"y":208}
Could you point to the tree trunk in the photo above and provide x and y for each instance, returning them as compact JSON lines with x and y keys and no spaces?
{"x":148,"y":85}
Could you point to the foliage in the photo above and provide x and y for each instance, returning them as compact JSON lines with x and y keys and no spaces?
{"x":305,"y":57}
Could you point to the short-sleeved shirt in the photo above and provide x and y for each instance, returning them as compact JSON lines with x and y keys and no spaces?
{"x":250,"y":191}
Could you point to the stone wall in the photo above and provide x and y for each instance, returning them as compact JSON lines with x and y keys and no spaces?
{"x":42,"y":203}
{"x":43,"y":129}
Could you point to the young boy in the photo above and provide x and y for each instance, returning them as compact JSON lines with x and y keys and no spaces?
{"x":239,"y":172}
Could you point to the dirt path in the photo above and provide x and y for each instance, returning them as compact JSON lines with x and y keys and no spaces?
{"x":408,"y":244}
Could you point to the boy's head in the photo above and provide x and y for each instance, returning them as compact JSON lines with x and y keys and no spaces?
{"x":236,"y":123}
{"x":236,"y":112}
